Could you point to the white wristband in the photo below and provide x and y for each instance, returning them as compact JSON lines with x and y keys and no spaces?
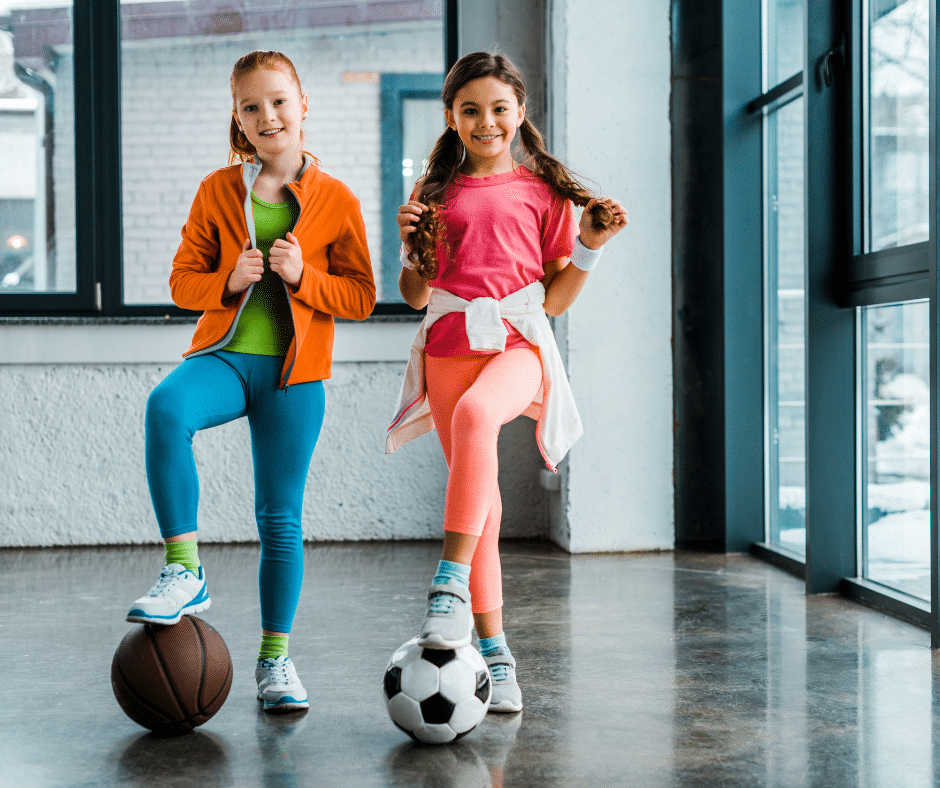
{"x":403,"y":256}
{"x":584,"y":258}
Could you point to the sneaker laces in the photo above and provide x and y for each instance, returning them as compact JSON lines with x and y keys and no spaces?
{"x":443,"y":604}
{"x":167,"y":576}
{"x":276,"y":670}
{"x":501,"y":672}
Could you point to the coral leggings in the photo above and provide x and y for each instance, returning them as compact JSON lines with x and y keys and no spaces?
{"x":470,"y":398}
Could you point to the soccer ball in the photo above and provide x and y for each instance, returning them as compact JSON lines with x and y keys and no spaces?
{"x":436,"y":695}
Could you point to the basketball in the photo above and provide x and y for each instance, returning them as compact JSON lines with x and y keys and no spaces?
{"x":171,"y":679}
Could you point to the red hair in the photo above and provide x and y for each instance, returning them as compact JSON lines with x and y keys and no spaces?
{"x":242,"y":150}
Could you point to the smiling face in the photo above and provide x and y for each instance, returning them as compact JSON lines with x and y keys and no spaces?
{"x":486,"y":114}
{"x":269,"y":109}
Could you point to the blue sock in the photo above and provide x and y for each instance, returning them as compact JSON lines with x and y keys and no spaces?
{"x":489,"y":645}
{"x":452,"y":572}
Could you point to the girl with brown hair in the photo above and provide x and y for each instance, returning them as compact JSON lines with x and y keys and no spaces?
{"x":489,"y":246}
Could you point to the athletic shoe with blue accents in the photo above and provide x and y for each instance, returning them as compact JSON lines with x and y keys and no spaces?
{"x":279,"y":687}
{"x":178,"y":592}
{"x":507,"y":697}
{"x":448,"y":622}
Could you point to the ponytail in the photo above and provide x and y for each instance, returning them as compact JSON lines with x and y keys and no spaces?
{"x":443,"y":167}
{"x":559,"y":178}
{"x":241,"y":149}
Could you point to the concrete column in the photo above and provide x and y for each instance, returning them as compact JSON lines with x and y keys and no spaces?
{"x":609,"y":83}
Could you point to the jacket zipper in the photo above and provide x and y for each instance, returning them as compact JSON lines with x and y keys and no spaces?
{"x":249,"y":221}
{"x":289,"y":367}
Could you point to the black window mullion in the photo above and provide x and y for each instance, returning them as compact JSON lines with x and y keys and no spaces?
{"x":889,"y":275}
{"x":106,"y":167}
{"x":742,"y":316}
{"x":776,"y":97}
{"x":933,"y":251}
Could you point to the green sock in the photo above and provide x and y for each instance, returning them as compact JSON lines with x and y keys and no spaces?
{"x":185,"y":553}
{"x":273,"y":646}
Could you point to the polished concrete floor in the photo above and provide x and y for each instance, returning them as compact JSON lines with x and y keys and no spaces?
{"x":637,"y":670}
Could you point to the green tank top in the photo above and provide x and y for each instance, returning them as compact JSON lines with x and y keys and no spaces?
{"x":265,"y":326}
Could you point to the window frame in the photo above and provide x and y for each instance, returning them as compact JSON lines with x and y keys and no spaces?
{"x":840,"y":279}
{"x":775,"y":99}
{"x":891,"y":275}
{"x":885,"y":277}
{"x":394,"y":89}
{"x":99,"y":293}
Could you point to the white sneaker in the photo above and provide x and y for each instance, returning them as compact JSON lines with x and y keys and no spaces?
{"x":279,"y":687}
{"x":448,"y":622}
{"x":177,"y":592}
{"x":507,"y":697}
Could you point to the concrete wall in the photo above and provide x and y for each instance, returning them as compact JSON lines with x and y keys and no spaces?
{"x":72,"y":447}
{"x":610,"y":86}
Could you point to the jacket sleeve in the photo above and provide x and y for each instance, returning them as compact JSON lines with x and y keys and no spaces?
{"x":347,"y":288}
{"x":196,"y":281}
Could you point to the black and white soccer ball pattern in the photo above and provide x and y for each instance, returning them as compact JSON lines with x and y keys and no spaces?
{"x":436,"y":695}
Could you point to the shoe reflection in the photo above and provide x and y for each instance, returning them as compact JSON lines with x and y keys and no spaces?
{"x":477,"y":761}
{"x":275,"y":733}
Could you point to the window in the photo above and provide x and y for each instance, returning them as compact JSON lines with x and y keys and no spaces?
{"x":785,"y":304}
{"x":784,"y":280}
{"x":37,"y":161}
{"x":807,"y":351}
{"x":412,"y":120}
{"x":849,"y":323}
{"x":895,"y":372}
{"x":897,"y":125}
{"x":154,"y":101}
{"x":894,"y":339}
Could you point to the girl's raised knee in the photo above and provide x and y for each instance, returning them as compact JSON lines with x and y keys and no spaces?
{"x":164,"y":409}
{"x":473,"y":415}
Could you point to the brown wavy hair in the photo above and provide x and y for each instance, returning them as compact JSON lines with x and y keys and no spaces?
{"x":241,"y":149}
{"x":448,"y":155}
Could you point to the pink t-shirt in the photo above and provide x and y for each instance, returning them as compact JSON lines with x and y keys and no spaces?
{"x":500,"y":231}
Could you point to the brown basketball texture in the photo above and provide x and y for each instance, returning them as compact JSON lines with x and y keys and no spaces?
{"x":172,"y":679}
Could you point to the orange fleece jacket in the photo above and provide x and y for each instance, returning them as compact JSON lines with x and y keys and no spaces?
{"x":336,"y":281}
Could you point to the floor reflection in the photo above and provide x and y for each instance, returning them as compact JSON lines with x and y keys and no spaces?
{"x":477,"y":761}
{"x":653,"y":670}
{"x":197,"y":757}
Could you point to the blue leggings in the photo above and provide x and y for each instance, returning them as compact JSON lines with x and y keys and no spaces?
{"x":214,"y":389}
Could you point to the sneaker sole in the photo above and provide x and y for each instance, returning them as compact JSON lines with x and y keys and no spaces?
{"x":506,"y":707}
{"x":435,"y":641}
{"x":285,"y":706}
{"x":138,"y":616}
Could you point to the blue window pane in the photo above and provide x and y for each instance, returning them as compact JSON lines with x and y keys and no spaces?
{"x":897,"y":123}
{"x":785,"y":315}
{"x":896,"y":474}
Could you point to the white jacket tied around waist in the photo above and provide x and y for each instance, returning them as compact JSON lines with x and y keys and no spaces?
{"x":559,"y":424}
